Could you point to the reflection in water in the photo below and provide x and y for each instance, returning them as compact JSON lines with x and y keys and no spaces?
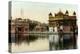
{"x":40,"y":43}
{"x":37,"y":45}
{"x":27,"y":39}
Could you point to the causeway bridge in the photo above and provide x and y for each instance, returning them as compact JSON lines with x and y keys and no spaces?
{"x":47,"y":33}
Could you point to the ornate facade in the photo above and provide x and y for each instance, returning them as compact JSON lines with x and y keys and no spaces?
{"x":63,"y":21}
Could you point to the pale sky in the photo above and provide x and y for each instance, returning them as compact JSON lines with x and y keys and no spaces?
{"x":39,"y":11}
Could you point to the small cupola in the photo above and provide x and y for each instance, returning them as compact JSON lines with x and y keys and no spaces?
{"x":74,"y":13}
{"x":66,"y":13}
{"x":50,"y":14}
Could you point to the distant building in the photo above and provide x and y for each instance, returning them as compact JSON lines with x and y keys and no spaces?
{"x":40,"y":27}
{"x":19,"y":27}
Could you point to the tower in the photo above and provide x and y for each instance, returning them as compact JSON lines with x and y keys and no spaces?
{"x":22,"y":13}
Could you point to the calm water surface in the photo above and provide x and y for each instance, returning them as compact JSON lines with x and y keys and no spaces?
{"x":37,"y":45}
